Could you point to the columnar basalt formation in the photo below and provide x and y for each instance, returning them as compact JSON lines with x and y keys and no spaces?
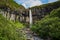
{"x":15,"y":15}
{"x":38,"y":12}
{"x":10,"y":14}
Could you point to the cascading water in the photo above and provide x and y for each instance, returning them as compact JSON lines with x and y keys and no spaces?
{"x":30,"y":15}
{"x":34,"y":37}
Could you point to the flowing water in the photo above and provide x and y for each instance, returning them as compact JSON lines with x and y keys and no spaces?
{"x":30,"y":15}
{"x":29,"y":34}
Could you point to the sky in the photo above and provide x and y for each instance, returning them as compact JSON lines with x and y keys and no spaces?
{"x":31,"y":3}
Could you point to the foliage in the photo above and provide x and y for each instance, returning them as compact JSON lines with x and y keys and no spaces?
{"x":49,"y":26}
{"x":55,"y":13}
{"x":18,"y":24}
{"x":11,"y":3}
{"x":8,"y":30}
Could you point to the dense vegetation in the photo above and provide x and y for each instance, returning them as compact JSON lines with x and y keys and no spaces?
{"x":10,"y":30}
{"x":49,"y":26}
{"x":10,"y":3}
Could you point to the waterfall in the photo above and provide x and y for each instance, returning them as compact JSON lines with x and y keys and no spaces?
{"x":30,"y":15}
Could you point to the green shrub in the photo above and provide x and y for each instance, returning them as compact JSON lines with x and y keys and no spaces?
{"x":49,"y":26}
{"x":55,"y":13}
{"x":8,"y":30}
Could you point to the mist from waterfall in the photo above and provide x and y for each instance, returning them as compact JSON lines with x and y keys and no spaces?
{"x":30,"y":15}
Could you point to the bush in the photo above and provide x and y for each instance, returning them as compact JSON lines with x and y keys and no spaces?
{"x":49,"y":26}
{"x":8,"y":30}
{"x":55,"y":13}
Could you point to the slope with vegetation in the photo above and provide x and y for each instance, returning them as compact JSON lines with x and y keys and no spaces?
{"x":10,"y":3}
{"x":10,"y":30}
{"x":49,"y":26}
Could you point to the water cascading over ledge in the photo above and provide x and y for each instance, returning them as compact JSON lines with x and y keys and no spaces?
{"x":30,"y":16}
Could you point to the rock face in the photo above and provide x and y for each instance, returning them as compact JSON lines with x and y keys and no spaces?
{"x":38,"y":12}
{"x":11,"y":10}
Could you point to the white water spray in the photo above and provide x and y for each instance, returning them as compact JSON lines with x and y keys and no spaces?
{"x":30,"y":15}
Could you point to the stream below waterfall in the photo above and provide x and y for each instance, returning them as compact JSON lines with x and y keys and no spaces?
{"x":30,"y":35}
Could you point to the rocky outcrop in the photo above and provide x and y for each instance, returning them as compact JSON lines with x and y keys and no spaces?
{"x":39,"y":12}
{"x":11,"y":10}
{"x":15,"y":15}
